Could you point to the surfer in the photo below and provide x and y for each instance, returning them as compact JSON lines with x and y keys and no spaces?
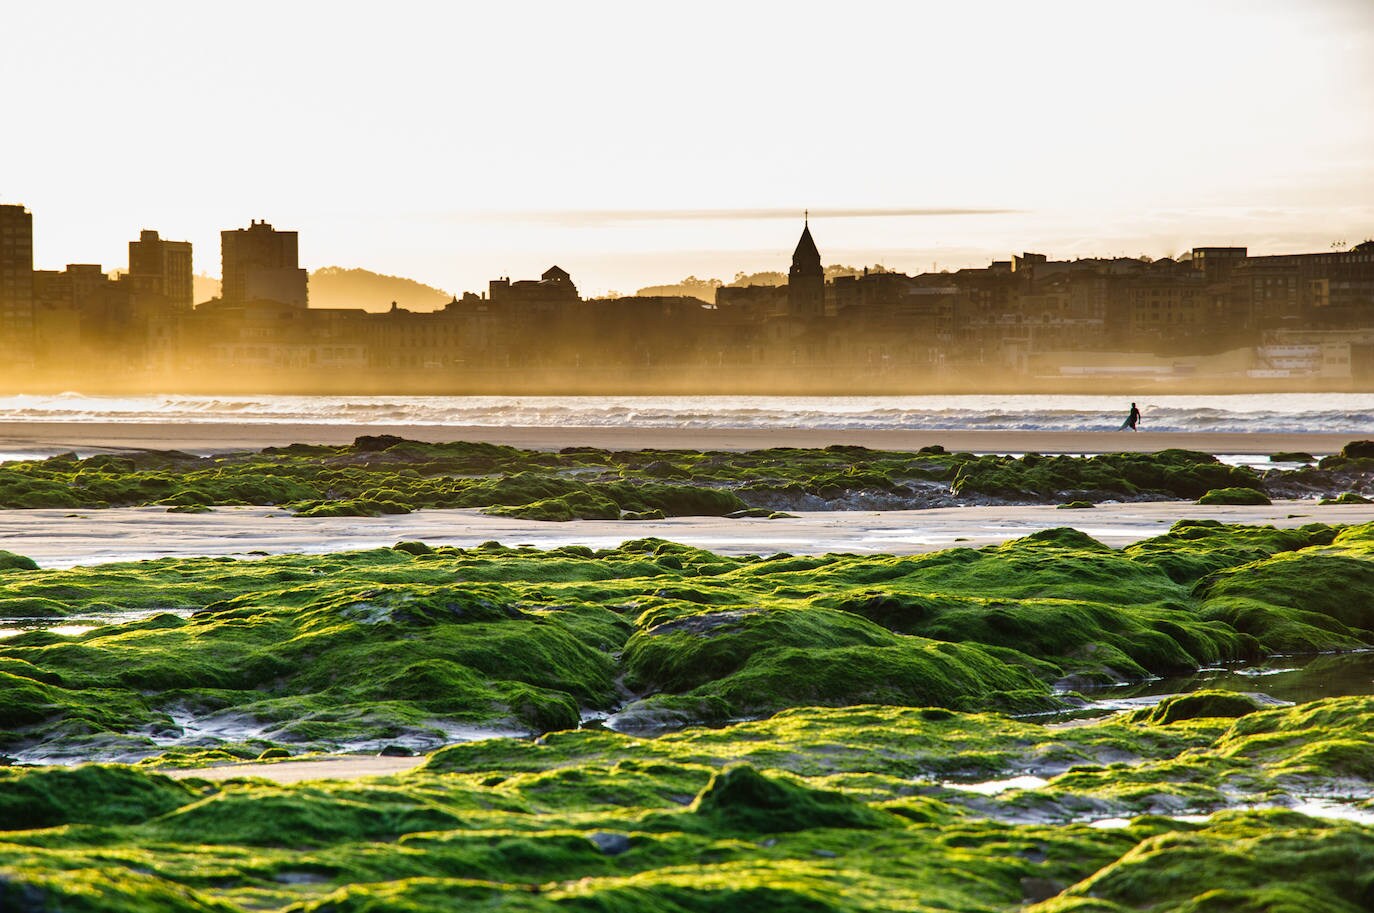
{"x":1131,"y":420}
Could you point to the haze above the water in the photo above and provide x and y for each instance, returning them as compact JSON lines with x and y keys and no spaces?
{"x":635,"y":144}
{"x":1351,"y":413}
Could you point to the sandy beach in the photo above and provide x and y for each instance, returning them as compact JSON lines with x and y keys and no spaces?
{"x":341,"y":767}
{"x":213,"y":437}
{"x":63,"y":538}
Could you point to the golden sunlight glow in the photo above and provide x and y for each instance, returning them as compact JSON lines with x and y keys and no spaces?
{"x":456,"y":142}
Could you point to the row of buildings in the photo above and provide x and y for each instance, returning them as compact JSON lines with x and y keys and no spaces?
{"x":1216,"y":312}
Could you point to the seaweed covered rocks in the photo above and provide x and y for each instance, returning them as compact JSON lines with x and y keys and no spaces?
{"x":853,"y":810}
{"x":884,"y":769}
{"x":420,"y":646}
{"x":386,"y":474}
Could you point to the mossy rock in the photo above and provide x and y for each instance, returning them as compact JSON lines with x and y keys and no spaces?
{"x":1345,"y":497}
{"x":1358,"y":450}
{"x":353,"y":507}
{"x":575,"y":505}
{"x":1198,"y":705}
{"x":740,"y":798}
{"x":1238,"y":496}
{"x":90,"y":794}
{"x":9,"y":561}
{"x":1076,"y":505}
{"x":1292,"y":456}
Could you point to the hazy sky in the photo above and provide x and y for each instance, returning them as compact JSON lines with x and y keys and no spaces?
{"x":638,"y":142}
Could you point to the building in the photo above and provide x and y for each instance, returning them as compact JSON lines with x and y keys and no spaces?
{"x":160,"y":274}
{"x":806,"y":279}
{"x":16,"y":286}
{"x":1333,"y":290}
{"x":1217,"y":263}
{"x":550,"y":293}
{"x":84,"y":320}
{"x":260,"y":263}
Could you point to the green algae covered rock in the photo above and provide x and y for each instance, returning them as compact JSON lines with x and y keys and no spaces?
{"x":847,"y":810}
{"x":1259,"y":861}
{"x":1234,"y":496}
{"x":1292,"y":456}
{"x":1358,"y":450}
{"x":1198,"y":705}
{"x":1315,"y":741}
{"x":1192,"y":549}
{"x":740,"y":798}
{"x":100,"y":889}
{"x":737,"y":663}
{"x":1345,"y":497}
{"x":1303,"y":601}
{"x":1171,"y":473}
{"x":9,"y":561}
{"x":576,"y":505}
{"x":354,"y":507}
{"x":90,"y":794}
{"x":362,"y":477}
{"x":400,"y":645}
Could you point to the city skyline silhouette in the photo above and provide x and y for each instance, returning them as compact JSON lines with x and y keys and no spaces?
{"x":1215,"y":317}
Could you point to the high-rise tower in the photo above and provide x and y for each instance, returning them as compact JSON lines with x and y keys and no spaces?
{"x":16,"y":284}
{"x":260,"y":264}
{"x":806,"y":278}
{"x":160,"y":271}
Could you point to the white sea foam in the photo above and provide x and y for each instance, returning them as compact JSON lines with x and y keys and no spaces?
{"x":1351,"y":413}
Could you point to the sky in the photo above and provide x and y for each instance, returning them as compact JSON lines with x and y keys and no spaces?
{"x":635,"y":143}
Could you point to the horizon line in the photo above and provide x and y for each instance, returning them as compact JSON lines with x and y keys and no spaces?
{"x":728,"y":215}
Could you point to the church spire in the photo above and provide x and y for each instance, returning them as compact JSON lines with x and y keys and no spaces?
{"x":806,"y":278}
{"x":806,"y":259}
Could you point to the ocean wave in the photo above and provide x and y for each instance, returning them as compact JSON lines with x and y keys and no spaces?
{"x":1296,"y":413}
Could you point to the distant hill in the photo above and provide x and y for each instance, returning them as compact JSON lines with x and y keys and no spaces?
{"x":692,"y":287}
{"x":705,"y":289}
{"x":337,"y":287}
{"x":204,"y":287}
{"x":833,"y":271}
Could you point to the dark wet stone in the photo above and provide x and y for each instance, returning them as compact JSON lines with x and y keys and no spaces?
{"x":1034,"y":890}
{"x":609,"y":843}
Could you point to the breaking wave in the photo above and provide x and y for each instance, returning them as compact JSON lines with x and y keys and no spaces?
{"x":1351,"y":413}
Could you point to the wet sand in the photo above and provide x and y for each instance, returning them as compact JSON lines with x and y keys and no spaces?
{"x":103,"y":437}
{"x":343,"y":767}
{"x":63,"y":538}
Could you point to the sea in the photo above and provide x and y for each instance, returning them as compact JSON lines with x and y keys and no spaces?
{"x":1351,"y":413}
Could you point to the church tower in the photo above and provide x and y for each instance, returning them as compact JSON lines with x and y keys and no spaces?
{"x":806,"y":278}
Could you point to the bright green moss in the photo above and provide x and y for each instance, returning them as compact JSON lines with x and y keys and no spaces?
{"x":1199,"y":704}
{"x":9,"y":561}
{"x":385,"y":474}
{"x":1345,"y":497}
{"x":1234,"y":496}
{"x":1274,"y":862}
{"x":832,"y":810}
{"x":91,"y":794}
{"x":314,"y":652}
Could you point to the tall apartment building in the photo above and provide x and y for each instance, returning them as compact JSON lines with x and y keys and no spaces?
{"x":161,"y":273}
{"x":16,"y":285}
{"x":260,"y":264}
